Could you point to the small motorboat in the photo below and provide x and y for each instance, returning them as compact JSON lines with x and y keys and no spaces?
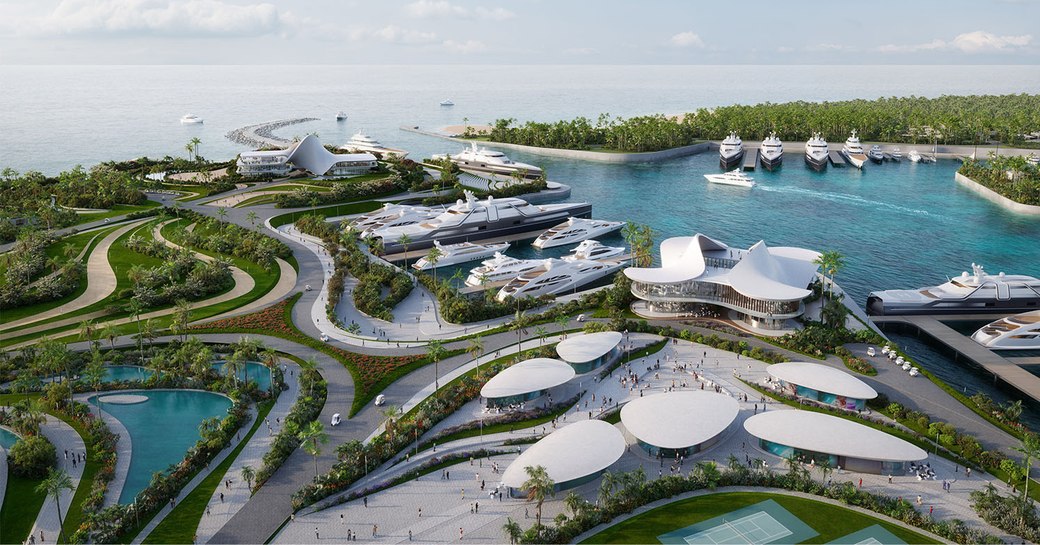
{"x":341,"y":116}
{"x":336,"y":419}
{"x":447,"y":102}
{"x":190,"y":119}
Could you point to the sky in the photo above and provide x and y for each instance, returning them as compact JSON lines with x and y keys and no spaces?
{"x":280,"y":32}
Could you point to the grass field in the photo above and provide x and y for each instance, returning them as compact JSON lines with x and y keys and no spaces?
{"x":117,"y":210}
{"x":831,"y":521}
{"x":21,"y":506}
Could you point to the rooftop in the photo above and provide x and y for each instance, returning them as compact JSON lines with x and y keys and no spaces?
{"x":584,"y":348}
{"x":528,"y":376}
{"x":828,"y":434}
{"x":574,"y":451}
{"x":679,"y":419}
{"x":822,"y":378}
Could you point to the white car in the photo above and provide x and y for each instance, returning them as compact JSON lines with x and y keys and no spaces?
{"x":380,"y":399}
{"x":871,"y":352}
{"x":335,"y":419}
{"x":581,"y":318}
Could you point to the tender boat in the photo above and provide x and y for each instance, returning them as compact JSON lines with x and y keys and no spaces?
{"x":967,"y":294}
{"x":362,"y":142}
{"x":733,"y":177}
{"x":593,"y":249}
{"x":816,"y":152}
{"x":453,"y":254}
{"x":341,"y":116}
{"x":914,"y":156}
{"x":896,"y":154}
{"x":853,"y":151}
{"x":447,"y":102}
{"x":470,"y":219}
{"x":1018,"y":332}
{"x":876,"y":155}
{"x":484,"y":160}
{"x":771,"y":153}
{"x":731,"y":151}
{"x":556,"y":276}
{"x":190,"y":119}
{"x":499,"y":268}
{"x":575,"y":230}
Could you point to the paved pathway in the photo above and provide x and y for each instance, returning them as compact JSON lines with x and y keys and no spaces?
{"x":124,"y":449}
{"x":65,"y":439}
{"x":101,"y":282}
{"x":285,"y":286}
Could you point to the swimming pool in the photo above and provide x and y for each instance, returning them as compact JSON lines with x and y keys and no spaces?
{"x":254,"y":371}
{"x":119,"y":373}
{"x":162,"y":429}
{"x":7,"y":439}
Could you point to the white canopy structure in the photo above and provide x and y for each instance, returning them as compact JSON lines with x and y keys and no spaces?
{"x":527,"y":377}
{"x":586,"y":352}
{"x":822,"y":378}
{"x":572,"y":453}
{"x":765,"y":284}
{"x":307,"y":154}
{"x":679,"y":420}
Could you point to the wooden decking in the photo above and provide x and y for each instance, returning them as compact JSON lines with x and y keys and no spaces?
{"x":1003,"y":368}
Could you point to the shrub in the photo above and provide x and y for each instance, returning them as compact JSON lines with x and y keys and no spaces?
{"x":31,"y":457}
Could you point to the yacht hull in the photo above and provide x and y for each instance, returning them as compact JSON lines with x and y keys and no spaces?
{"x":878,"y":306}
{"x":818,"y":166}
{"x":856,"y":159}
{"x":731,"y":162}
{"x":771,"y":164}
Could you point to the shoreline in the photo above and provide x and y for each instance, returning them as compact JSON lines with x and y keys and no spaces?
{"x":997,"y":198}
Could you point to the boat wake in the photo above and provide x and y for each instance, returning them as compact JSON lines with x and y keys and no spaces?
{"x":850,"y":199}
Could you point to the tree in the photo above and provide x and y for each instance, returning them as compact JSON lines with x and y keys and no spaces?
{"x":234,"y":365}
{"x":194,"y":143}
{"x":135,"y":307}
{"x":311,"y":438}
{"x":87,"y":331}
{"x":540,"y":331}
{"x":150,"y":331}
{"x":190,"y":148}
{"x":562,"y":321}
{"x":520,"y":321}
{"x":476,"y":347}
{"x":222,"y":213}
{"x":248,"y":474}
{"x":404,"y":240}
{"x":109,"y":331}
{"x":309,"y":364}
{"x":252,"y":217}
{"x":181,"y":318}
{"x":709,"y":472}
{"x":94,"y":373}
{"x":52,"y":486}
{"x":432,"y":257}
{"x":435,"y":350}
{"x":1030,"y":447}
{"x":513,"y":530}
{"x":538,"y":485}
{"x":830,"y":262}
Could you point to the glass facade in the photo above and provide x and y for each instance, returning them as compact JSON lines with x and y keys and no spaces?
{"x":605,"y":359}
{"x":695,"y":291}
{"x":850,"y":403}
{"x":513,"y":400}
{"x":857,"y":465}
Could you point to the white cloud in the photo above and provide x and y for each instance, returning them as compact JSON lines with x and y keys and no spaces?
{"x":393,"y":34}
{"x":468,"y":46}
{"x":978,"y":41}
{"x":173,"y":17}
{"x":686,"y":39}
{"x":428,"y":9}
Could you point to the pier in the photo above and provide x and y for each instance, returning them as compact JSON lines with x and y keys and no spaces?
{"x":837,"y":159}
{"x":262,"y":134}
{"x":1003,"y":368}
{"x":750,"y":159}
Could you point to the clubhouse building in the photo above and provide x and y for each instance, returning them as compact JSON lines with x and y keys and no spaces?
{"x":822,"y":383}
{"x":308,"y":155}
{"x":572,"y":455}
{"x":682,"y":423}
{"x":764,"y":286}
{"x":525,"y":381}
{"x":588,"y":352}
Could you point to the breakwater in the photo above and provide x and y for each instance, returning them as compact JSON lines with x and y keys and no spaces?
{"x":262,"y":134}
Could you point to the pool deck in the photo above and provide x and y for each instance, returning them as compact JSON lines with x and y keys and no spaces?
{"x":64,"y":438}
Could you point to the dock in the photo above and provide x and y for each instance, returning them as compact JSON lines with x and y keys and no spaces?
{"x":750,"y":159}
{"x":837,"y":159}
{"x":1000,"y":367}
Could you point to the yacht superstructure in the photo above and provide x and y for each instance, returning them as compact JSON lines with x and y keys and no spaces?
{"x":816,"y":152}
{"x":1018,"y":332}
{"x":731,"y":151}
{"x":190,"y":119}
{"x":556,"y":276}
{"x":594,"y":249}
{"x":341,"y":116}
{"x":362,"y":142}
{"x":733,"y":177}
{"x":896,"y":154}
{"x":393,"y":215}
{"x":473,"y":220}
{"x":853,"y":151}
{"x":876,"y":155}
{"x":965,"y":294}
{"x":499,"y":268}
{"x":914,"y":156}
{"x":575,"y":230}
{"x":490,"y":161}
{"x":453,"y":254}
{"x":771,"y":153}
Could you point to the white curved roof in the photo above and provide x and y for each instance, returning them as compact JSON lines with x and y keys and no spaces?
{"x":528,"y":376}
{"x":311,"y":156}
{"x":828,"y":434}
{"x":583,"y":348}
{"x":679,"y":419}
{"x":574,"y":451}
{"x":774,"y":274}
{"x":822,"y":378}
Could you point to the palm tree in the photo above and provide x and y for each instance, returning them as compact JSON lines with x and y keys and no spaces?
{"x":562,"y":321}
{"x":248,"y":474}
{"x":181,"y":318}
{"x":513,"y":530}
{"x":252,"y":217}
{"x":309,"y":364}
{"x":1030,"y":447}
{"x":222,"y":213}
{"x":709,"y":471}
{"x":540,"y":331}
{"x":194,"y":143}
{"x":391,"y":413}
{"x":436,"y":351}
{"x":87,"y":330}
{"x":234,"y":365}
{"x":109,"y":331}
{"x":135,"y":307}
{"x":830,"y":262}
{"x":311,"y":438}
{"x":520,"y":320}
{"x":433,"y":256}
{"x":607,"y":485}
{"x":94,"y":373}
{"x":825,"y":467}
{"x":404,"y":240}
{"x":52,"y":486}
{"x":190,"y":148}
{"x":476,"y":347}
{"x":538,"y":485}
{"x":150,"y":331}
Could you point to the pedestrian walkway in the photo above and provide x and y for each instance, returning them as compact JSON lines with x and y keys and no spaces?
{"x":71,"y":457}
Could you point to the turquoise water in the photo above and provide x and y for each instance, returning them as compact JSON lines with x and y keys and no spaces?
{"x":254,"y":371}
{"x":7,"y":438}
{"x":162,"y":430}
{"x":119,"y":373}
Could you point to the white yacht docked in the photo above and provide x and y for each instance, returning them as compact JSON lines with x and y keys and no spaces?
{"x":575,"y":230}
{"x":771,"y":153}
{"x":556,"y":276}
{"x":471,"y":219}
{"x":914,"y":156}
{"x":853,"y":151}
{"x":190,"y":119}
{"x":341,"y":116}
{"x":876,"y":155}
{"x":1018,"y":332}
{"x":816,"y":152}
{"x":393,"y":215}
{"x":896,"y":154}
{"x":500,"y":268}
{"x":362,"y":142}
{"x":490,"y":161}
{"x":731,"y":151}
{"x":453,"y":254}
{"x":594,"y":249}
{"x":733,"y":177}
{"x":966,"y":294}
{"x":447,"y":102}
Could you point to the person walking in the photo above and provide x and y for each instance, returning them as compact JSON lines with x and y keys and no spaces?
{"x":460,"y":533}
{"x":316,"y":533}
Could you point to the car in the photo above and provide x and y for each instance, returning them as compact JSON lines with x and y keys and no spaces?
{"x":581,"y":318}
{"x":324,"y":338}
{"x":380,"y":400}
{"x":307,"y":287}
{"x":335,"y":419}
{"x":871,"y":352}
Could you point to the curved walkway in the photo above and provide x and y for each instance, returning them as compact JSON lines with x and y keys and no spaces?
{"x":284,"y":287}
{"x":67,"y":443}
{"x":101,"y":282}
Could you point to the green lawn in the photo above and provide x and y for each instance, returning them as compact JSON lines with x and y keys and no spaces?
{"x":21,"y":506}
{"x":831,"y":521}
{"x":179,"y":526}
{"x":117,"y":210}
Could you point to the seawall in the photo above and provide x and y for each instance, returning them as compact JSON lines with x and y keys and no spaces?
{"x":993,"y":196}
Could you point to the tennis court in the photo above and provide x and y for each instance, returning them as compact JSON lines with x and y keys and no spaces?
{"x":757,"y":528}
{"x":761,"y":523}
{"x":871,"y":535}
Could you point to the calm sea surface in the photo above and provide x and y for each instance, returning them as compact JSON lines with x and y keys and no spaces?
{"x":900,"y":225}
